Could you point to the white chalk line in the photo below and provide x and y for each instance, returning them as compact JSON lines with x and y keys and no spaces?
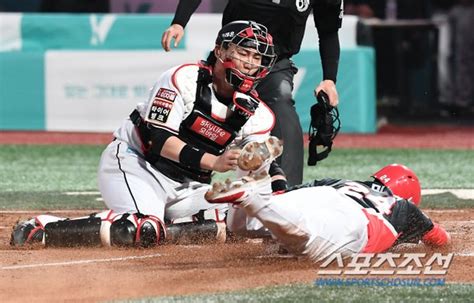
{"x":431,"y":210}
{"x":287,"y":256}
{"x":62,"y":211}
{"x":79,"y":262}
{"x":459,"y":193}
{"x":465,"y":254}
{"x":82,"y":193}
{"x":462,"y":222}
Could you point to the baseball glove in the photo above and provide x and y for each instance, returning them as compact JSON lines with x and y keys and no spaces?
{"x":324,"y":127}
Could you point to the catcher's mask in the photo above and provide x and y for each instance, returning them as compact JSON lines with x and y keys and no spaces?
{"x":248,"y":35}
{"x":401,"y":180}
{"x":324,"y":127}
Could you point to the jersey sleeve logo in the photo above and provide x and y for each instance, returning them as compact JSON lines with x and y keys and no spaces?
{"x":166,"y":94}
{"x":162,"y":105}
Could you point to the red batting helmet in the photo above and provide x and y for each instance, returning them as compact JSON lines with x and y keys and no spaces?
{"x":401,"y":180}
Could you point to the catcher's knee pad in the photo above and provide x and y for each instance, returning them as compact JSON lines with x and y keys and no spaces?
{"x":122,"y":232}
{"x":133,"y":230}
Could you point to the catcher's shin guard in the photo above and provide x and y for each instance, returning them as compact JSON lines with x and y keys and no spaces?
{"x":196,"y":232}
{"x":73,"y":232}
{"x":105,"y":228}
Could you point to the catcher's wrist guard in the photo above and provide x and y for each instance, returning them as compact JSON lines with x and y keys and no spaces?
{"x":324,"y":127}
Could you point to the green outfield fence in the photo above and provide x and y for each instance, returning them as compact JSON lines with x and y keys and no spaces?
{"x":84,"y":72}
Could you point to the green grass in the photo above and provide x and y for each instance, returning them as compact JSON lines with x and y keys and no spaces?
{"x":310,"y":293}
{"x":48,"y":200}
{"x":445,"y":201}
{"x":48,"y":167}
{"x":37,"y":177}
{"x":435,"y":168}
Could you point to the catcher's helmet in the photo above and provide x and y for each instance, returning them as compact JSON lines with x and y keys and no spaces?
{"x":247,"y":34}
{"x":401,"y":180}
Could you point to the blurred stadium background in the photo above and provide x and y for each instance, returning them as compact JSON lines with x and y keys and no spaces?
{"x":78,"y":65}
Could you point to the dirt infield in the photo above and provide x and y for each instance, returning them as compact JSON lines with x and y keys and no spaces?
{"x":93,"y":274}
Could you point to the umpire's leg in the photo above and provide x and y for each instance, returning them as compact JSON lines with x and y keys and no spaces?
{"x":276,"y":91}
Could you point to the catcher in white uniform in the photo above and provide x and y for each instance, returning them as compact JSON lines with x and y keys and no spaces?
{"x":335,"y":216}
{"x":159,"y":165}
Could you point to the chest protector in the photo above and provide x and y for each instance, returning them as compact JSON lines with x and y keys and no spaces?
{"x":202,"y":130}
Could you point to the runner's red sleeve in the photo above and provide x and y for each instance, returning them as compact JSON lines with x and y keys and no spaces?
{"x":438,"y":236}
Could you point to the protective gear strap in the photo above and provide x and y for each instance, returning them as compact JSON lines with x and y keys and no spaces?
{"x":191,"y":156}
{"x":153,"y":138}
{"x":136,"y":230}
{"x":158,"y":139}
{"x":70,"y":233}
{"x":245,"y":103}
{"x":315,"y":156}
{"x":203,"y":92}
{"x":142,"y":127}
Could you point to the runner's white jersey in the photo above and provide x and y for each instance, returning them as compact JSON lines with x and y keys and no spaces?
{"x":369,"y":194}
{"x":172,"y":99}
{"x":332,"y":221}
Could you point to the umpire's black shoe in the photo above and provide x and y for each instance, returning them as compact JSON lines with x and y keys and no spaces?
{"x":26,"y":232}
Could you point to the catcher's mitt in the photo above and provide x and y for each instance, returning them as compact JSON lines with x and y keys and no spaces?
{"x":325,"y":125}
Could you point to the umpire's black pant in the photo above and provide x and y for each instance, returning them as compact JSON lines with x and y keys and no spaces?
{"x":276,"y":90}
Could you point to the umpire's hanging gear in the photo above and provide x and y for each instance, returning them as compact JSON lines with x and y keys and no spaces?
{"x":325,"y":125}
